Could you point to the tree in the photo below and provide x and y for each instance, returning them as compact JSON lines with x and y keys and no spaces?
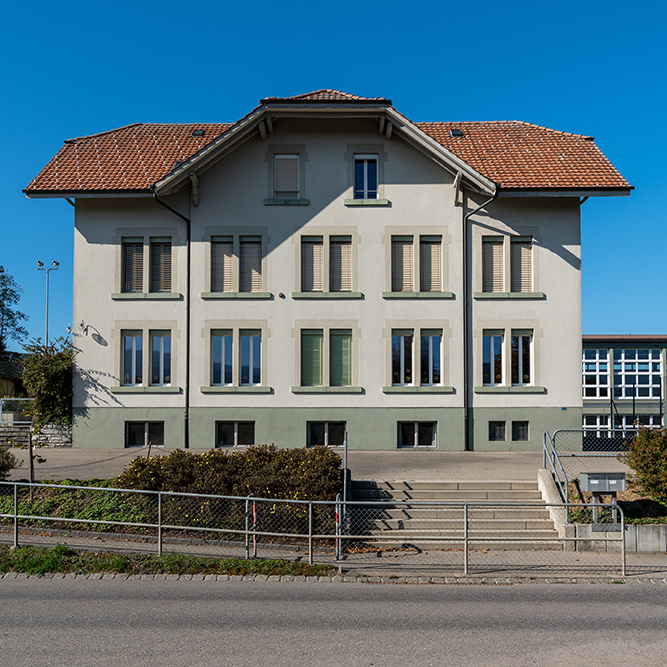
{"x":47,"y":377}
{"x":647,"y":456}
{"x":10,"y":318}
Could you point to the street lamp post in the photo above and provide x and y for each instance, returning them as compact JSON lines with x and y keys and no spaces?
{"x":54,"y":267}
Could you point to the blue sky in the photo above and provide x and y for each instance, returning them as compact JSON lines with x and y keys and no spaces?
{"x":597,"y":68}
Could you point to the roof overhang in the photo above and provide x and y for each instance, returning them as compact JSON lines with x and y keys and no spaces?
{"x":86,"y":194}
{"x":249,"y":126}
{"x":565,"y":192}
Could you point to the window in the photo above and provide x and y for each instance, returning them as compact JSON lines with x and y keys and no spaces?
{"x":402,"y":344}
{"x":521,"y":374}
{"x":596,"y":425}
{"x":160,"y":265}
{"x":637,"y":373}
{"x":224,"y":250}
{"x":340,"y":358}
{"x":365,"y":176}
{"x":521,"y":270}
{"x":312,"y":264}
{"x":250,"y":279}
{"x":251,"y":358}
{"x":221,"y":358}
{"x":312,"y":351}
{"x":402,"y":270}
{"x":416,"y":434}
{"x":520,"y":431}
{"x":160,"y":358}
{"x":340,"y":264}
{"x":430,"y":264}
{"x":286,"y":176}
{"x":313,"y":355}
{"x":496,"y":431}
{"x":431,"y":357}
{"x":222,"y":264}
{"x":492,"y":265}
{"x":595,"y":372}
{"x":142,"y":434}
{"x":325,"y":434}
{"x":133,"y":265}
{"x":132,"y":372}
{"x":234,"y":434}
{"x":492,"y":358}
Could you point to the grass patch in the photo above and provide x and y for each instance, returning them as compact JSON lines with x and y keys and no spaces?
{"x":39,"y":561}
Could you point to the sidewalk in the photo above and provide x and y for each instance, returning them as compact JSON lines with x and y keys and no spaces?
{"x":82,"y":464}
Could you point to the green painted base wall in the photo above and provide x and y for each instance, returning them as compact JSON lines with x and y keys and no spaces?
{"x":369,"y":429}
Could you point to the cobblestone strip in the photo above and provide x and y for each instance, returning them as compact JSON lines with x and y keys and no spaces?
{"x":341,"y":578}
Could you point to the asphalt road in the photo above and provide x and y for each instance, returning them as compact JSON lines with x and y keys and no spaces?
{"x":156,"y":623}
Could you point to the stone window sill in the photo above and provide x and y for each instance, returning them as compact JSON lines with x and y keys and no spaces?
{"x":145,"y":390}
{"x":286,"y":202}
{"x":417,"y":295}
{"x":510,"y":390}
{"x":146,"y":296}
{"x":212,"y":296}
{"x":328,"y":390}
{"x":236,"y":390}
{"x":510,"y":295}
{"x":418,"y":390}
{"x":366,"y":202}
{"x":327,"y":295}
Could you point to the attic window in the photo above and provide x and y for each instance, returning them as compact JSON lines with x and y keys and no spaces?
{"x":197,"y":133}
{"x":456,"y":133}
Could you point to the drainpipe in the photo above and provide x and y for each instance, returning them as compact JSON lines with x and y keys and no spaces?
{"x":467,"y":335}
{"x":186,"y":434}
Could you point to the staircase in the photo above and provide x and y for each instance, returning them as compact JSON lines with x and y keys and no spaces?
{"x":412,"y":525}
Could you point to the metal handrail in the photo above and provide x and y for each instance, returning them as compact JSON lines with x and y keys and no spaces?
{"x":553,"y":458}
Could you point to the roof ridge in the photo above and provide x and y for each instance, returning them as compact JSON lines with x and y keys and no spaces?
{"x":501,"y":122}
{"x":125,"y":127}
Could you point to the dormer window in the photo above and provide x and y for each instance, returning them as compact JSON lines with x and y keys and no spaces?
{"x":365,"y":176}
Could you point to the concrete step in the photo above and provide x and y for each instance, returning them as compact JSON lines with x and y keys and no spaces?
{"x":390,"y":546}
{"x":445,"y":486}
{"x":515,"y":524}
{"x":474,"y":513}
{"x":453,"y":495}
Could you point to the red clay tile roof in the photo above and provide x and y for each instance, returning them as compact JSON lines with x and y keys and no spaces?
{"x":325,"y":95}
{"x":516,"y":154}
{"x":512,"y":154}
{"x":129,"y":158}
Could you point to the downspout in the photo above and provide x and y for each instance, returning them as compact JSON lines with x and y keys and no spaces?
{"x":186,"y":434}
{"x":467,"y":335}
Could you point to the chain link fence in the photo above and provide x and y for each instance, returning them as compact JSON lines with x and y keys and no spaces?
{"x":364,"y":537}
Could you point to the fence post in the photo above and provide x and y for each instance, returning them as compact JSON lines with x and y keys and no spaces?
{"x":623,"y":551}
{"x":159,"y":523}
{"x":465,"y":539}
{"x":338,"y":526}
{"x":254,"y":528}
{"x":16,"y":515}
{"x":310,"y":533}
{"x":247,"y":528}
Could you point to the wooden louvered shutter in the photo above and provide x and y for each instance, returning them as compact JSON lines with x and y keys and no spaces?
{"x":430,"y":265}
{"x":286,"y":177}
{"x":312,"y":274}
{"x":492,"y":265}
{"x":160,"y":265}
{"x":521,"y":266}
{"x":340,"y":264}
{"x":133,"y":266}
{"x":222,"y":265}
{"x":250,"y":279}
{"x":401,"y":264}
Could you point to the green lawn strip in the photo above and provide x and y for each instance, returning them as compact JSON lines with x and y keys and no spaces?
{"x":40,"y":560}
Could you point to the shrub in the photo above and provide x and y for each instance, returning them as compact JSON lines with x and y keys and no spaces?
{"x":7,"y":462}
{"x":267,"y":472}
{"x":647,"y":456}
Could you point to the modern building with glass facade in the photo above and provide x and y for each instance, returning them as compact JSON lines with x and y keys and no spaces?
{"x":326,"y":268}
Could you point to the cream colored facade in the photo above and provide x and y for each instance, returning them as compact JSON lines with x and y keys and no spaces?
{"x":417,"y":198}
